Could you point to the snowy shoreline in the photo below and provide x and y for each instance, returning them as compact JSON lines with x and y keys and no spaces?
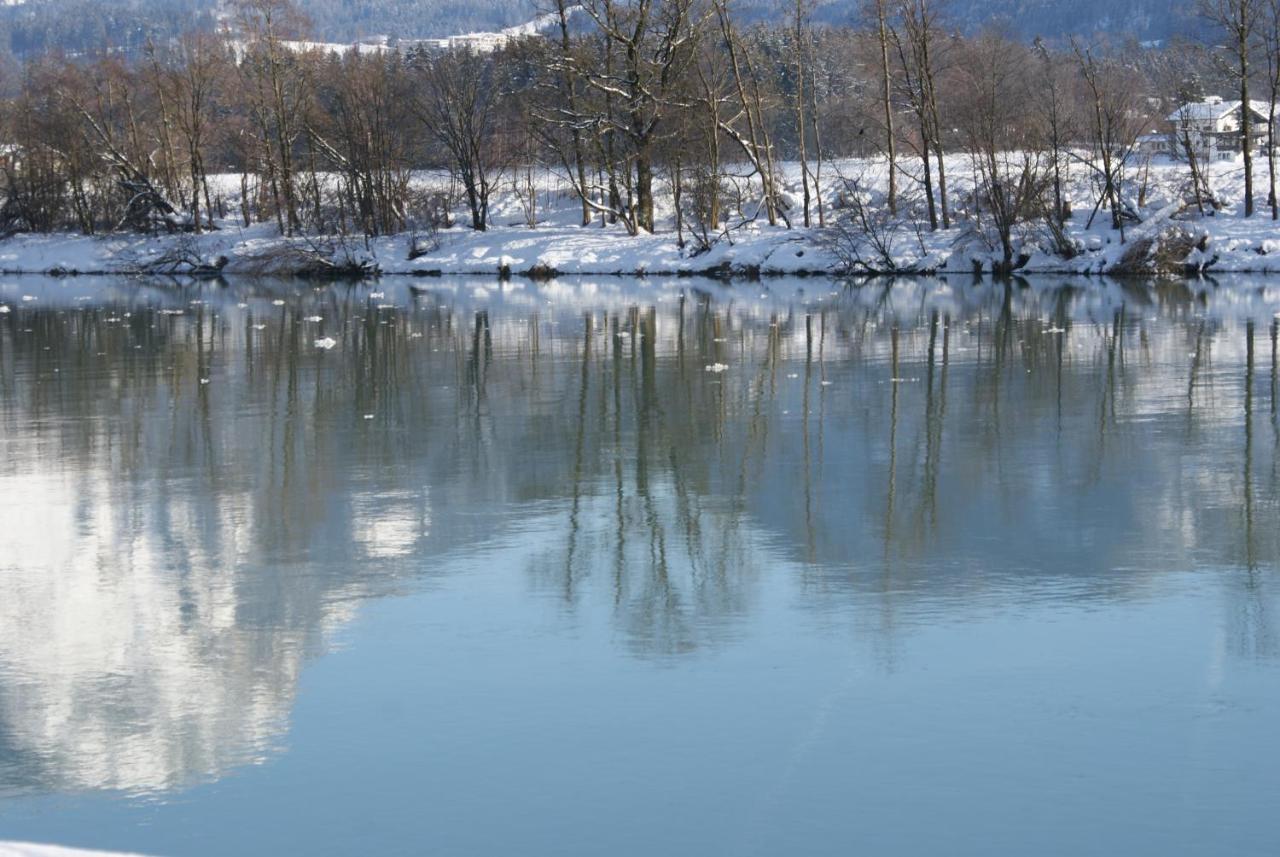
{"x":1205,"y":247}
{"x":1170,"y":240}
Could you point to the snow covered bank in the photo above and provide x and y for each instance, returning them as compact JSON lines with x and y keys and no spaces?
{"x":1208,"y":246}
{"x":513,"y":250}
{"x":1168,"y":240}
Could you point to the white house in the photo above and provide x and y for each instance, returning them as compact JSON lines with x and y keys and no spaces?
{"x":1212,"y":128}
{"x":1154,"y":144}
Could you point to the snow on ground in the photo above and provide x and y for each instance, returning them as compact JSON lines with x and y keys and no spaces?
{"x":1225,"y":242}
{"x":478,"y":41}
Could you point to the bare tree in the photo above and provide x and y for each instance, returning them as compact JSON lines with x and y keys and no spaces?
{"x":457,"y":104}
{"x":191,"y":78}
{"x":917,"y":44}
{"x":567,"y":78}
{"x":652,"y":43}
{"x":278,"y":91}
{"x":361,"y":135}
{"x":800,"y":13}
{"x":113,"y":124}
{"x":1053,"y":98}
{"x":755,"y":141}
{"x":1270,"y":26}
{"x":1008,"y":163}
{"x":1239,"y":21}
{"x":879,"y":11}
{"x":1114,"y":122}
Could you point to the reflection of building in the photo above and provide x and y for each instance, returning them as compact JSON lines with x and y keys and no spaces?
{"x":1212,"y":128}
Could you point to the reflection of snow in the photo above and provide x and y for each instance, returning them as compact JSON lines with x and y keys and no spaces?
{"x":143,"y":679}
{"x":389,"y":525}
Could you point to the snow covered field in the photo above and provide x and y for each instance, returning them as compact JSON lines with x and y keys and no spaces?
{"x":1222,"y":242}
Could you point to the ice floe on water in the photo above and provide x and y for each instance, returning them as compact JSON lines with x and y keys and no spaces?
{"x":31,"y":849}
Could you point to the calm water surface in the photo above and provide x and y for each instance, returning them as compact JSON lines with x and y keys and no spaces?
{"x":638,"y":568}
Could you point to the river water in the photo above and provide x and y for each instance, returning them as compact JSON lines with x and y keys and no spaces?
{"x":618,"y":567}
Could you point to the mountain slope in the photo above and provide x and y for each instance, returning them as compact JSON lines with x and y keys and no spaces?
{"x":36,"y":26}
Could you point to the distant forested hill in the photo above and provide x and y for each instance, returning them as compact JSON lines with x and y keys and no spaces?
{"x":30,"y":27}
{"x":342,"y":20}
{"x":1144,"y":19}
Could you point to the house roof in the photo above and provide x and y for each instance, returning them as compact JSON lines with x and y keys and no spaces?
{"x":1203,"y":111}
{"x":1213,"y":109}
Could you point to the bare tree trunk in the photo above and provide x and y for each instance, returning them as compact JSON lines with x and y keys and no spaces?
{"x":571,"y":96}
{"x":756,"y":144}
{"x":800,"y":36}
{"x":817,"y":148}
{"x":1246,"y":119}
{"x":887,"y":104}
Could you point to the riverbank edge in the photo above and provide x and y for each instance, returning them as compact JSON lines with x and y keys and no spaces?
{"x":1177,"y":251}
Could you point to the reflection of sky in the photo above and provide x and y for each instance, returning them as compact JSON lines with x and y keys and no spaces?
{"x":730,"y":575}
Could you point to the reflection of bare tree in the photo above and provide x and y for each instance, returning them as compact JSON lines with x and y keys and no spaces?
{"x":1254,"y":636}
{"x":935,"y":415}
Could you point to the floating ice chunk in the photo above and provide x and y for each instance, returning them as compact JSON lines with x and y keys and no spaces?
{"x":204,"y":380}
{"x":171,"y":312}
{"x":28,"y":298}
{"x":1055,"y":330}
{"x":326,"y":343}
{"x":259,"y":327}
{"x":793,"y":375}
{"x":242,"y":305}
{"x":314,"y":319}
{"x":277,"y":302}
{"x":368,"y":416}
{"x":28,"y":849}
{"x":3,"y":309}
{"x":717,"y":368}
{"x":377,"y":294}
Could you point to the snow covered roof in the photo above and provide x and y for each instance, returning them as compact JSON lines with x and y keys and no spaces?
{"x":1208,"y":110}
{"x":1212,"y":109}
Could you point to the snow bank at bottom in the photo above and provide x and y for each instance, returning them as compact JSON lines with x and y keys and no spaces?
{"x":29,"y":849}
{"x":515,"y":250}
